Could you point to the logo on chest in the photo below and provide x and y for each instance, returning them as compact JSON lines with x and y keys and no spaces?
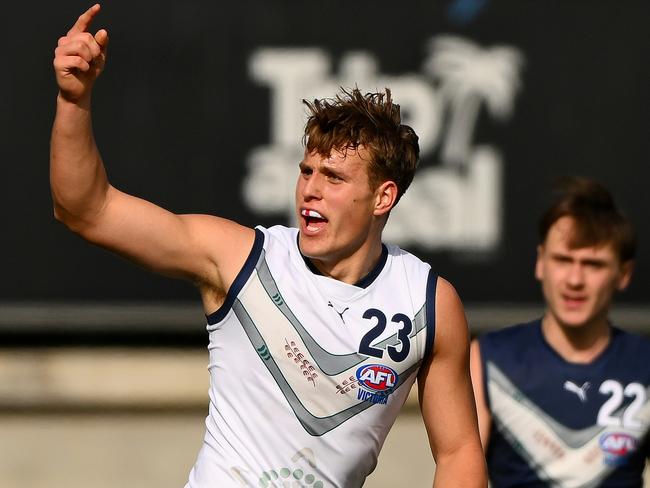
{"x":339,"y":313}
{"x":580,"y":391}
{"x":376,"y":382}
{"x":616,"y":447}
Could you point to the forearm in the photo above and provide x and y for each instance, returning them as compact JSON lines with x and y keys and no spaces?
{"x":77,"y":176}
{"x":464,"y":468}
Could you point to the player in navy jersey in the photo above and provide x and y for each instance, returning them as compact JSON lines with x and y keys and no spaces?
{"x":563,"y":400}
{"x":316,"y":333}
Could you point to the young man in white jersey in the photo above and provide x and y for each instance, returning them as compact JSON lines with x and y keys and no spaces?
{"x":563,"y":400}
{"x":316,"y":333}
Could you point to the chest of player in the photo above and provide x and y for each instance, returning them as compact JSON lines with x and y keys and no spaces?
{"x":611,"y":392}
{"x":332,"y":334}
{"x":580,"y":400}
{"x":576,"y":417}
{"x":379,"y":321}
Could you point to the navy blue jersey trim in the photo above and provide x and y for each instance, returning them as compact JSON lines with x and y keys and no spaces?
{"x":364,"y":282}
{"x":432,"y":282}
{"x":240,"y":280}
{"x":367,"y":280}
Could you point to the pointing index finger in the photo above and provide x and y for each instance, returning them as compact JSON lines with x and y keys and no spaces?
{"x":84,"y":20}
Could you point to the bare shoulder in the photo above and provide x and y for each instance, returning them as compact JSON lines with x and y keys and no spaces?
{"x":224,"y":242}
{"x":209,"y":228}
{"x":451,"y":323}
{"x":447,"y":298}
{"x":222,"y":247}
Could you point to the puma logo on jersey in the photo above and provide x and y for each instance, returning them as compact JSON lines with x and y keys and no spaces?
{"x":329,"y":304}
{"x":581,"y":391}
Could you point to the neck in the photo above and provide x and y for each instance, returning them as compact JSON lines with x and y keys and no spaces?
{"x":581,"y":344}
{"x":350,"y":269}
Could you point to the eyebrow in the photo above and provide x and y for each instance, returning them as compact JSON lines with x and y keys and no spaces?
{"x":567,"y":257}
{"x":327,"y":171}
{"x":594,"y":261}
{"x":322,"y":168}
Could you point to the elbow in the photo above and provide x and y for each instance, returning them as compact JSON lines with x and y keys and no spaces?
{"x":60,"y":210}
{"x":59,"y":215}
{"x":78,"y":213}
{"x":463,"y":467}
{"x":63,"y":217}
{"x":68,"y":219}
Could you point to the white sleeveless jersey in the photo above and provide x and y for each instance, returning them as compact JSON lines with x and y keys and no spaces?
{"x":308,"y":373}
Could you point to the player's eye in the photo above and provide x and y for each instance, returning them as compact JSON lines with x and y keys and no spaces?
{"x":562,"y":259}
{"x":595,"y":264}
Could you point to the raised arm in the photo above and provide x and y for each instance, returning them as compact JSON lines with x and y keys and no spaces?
{"x":446,"y":398}
{"x":204,"y":249}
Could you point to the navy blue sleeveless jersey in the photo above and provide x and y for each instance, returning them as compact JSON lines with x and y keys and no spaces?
{"x":556,"y":423}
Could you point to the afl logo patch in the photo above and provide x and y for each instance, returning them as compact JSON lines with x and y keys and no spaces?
{"x":377,"y":378}
{"x":617,"y":446}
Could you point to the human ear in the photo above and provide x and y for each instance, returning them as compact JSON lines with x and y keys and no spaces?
{"x":626,"y":275}
{"x":385,"y":198}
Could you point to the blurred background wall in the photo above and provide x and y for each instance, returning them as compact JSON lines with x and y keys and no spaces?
{"x":102,"y":366}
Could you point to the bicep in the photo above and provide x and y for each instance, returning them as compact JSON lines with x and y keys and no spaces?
{"x":200,"y":248}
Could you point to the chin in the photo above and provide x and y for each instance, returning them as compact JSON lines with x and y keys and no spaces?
{"x":574,"y":320}
{"x":310,"y":246}
{"x":573,"y":324}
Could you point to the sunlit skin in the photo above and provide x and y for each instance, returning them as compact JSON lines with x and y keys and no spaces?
{"x":346,"y":242}
{"x":578,"y":285}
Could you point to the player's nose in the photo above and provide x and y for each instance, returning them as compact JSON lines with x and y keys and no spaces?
{"x":312,"y":187}
{"x":576,"y":275}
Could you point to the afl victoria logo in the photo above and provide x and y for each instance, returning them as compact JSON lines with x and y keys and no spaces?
{"x":377,"y":378}
{"x":617,"y":444}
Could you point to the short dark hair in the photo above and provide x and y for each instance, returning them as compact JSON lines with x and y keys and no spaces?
{"x":372,"y":121}
{"x":597,"y":218}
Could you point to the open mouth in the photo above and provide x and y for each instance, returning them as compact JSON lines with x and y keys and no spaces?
{"x":313,"y":220}
{"x":574,"y":301}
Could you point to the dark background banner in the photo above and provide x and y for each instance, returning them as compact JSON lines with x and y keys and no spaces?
{"x":199,"y":111}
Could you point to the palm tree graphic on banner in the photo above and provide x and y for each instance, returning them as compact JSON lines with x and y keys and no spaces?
{"x":469,"y":76}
